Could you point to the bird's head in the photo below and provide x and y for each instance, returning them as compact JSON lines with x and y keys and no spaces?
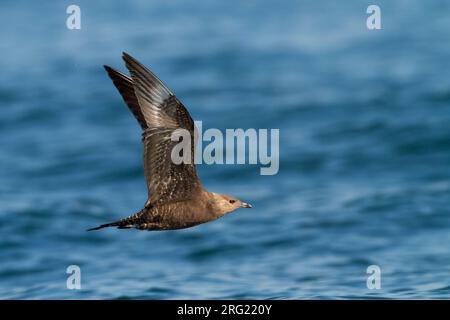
{"x":224,"y":204}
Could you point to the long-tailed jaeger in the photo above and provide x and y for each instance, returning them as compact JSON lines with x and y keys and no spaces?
{"x":176,"y":197}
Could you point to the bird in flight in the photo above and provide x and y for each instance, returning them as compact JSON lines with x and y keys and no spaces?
{"x":176,"y":197}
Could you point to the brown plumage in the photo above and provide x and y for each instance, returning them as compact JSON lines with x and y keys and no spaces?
{"x":176,"y":197}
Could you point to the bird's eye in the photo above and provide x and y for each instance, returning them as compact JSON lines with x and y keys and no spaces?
{"x":232,"y":201}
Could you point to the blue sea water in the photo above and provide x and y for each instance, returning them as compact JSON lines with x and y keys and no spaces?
{"x":364,"y":125}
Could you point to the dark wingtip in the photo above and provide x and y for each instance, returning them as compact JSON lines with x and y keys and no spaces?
{"x":128,"y":59}
{"x":126,"y":56}
{"x":110,"y":70}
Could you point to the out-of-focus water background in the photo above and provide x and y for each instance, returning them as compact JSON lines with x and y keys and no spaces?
{"x":364,"y":125}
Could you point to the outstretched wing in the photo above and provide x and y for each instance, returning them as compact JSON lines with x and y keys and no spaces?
{"x":163,"y":114}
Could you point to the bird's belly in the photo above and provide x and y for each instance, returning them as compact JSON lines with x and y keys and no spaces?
{"x":168,"y":225}
{"x":176,"y":220}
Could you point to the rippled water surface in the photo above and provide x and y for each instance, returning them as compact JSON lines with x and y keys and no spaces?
{"x":364,"y":149}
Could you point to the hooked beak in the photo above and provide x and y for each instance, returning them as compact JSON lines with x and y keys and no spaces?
{"x":246,"y":205}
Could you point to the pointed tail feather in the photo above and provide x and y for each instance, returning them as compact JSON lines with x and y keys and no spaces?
{"x":125,"y":223}
{"x":114,"y":224}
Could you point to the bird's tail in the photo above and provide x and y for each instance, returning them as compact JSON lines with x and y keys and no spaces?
{"x":113,"y":224}
{"x":124,"y":223}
